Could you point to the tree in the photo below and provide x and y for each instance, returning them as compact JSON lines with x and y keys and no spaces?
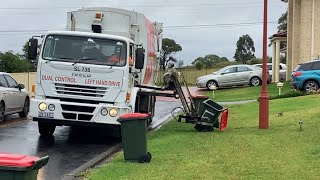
{"x":283,"y":22}
{"x":180,"y":63}
{"x":169,"y":48}
{"x":245,"y":49}
{"x":198,"y":65}
{"x":255,"y":61}
{"x":283,"y":26}
{"x":210,"y":60}
{"x":13,"y":63}
{"x":34,"y":62}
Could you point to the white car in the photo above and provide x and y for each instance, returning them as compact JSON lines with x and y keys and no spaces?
{"x":234,"y":75}
{"x":282,"y":69}
{"x":14,"y":98}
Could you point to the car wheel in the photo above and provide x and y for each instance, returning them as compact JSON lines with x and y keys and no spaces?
{"x":46,"y":129}
{"x":26,"y":108}
{"x":311,"y":86}
{"x":255,"y":81}
{"x":210,"y":84}
{"x":2,"y":112}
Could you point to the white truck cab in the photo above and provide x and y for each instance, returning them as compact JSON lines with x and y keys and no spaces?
{"x":87,"y":75}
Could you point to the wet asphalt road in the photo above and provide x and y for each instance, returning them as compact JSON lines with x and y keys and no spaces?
{"x":69,"y":148}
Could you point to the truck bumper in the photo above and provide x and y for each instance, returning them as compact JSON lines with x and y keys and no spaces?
{"x":71,"y":113}
{"x":62,"y":122}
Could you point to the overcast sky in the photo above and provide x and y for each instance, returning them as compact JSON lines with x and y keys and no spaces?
{"x":227,"y":21}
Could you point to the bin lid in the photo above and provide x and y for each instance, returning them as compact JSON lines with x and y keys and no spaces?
{"x":134,"y":116}
{"x":17,"y":160}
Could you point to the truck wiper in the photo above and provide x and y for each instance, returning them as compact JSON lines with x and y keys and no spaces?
{"x":113,"y":64}
{"x":82,"y":59}
{"x":61,"y":58}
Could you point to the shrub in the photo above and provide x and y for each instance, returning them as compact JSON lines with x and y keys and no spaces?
{"x":292,"y":93}
{"x":289,"y":94}
{"x":198,"y":65}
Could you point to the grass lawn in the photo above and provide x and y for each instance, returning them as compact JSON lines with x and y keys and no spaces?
{"x":245,"y":93}
{"x":242,"y":151}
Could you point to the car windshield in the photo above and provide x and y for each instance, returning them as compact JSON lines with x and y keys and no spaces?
{"x":85,"y":50}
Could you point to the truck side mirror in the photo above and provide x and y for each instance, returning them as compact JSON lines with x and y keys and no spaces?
{"x":140,"y":54}
{"x":33,"y":48}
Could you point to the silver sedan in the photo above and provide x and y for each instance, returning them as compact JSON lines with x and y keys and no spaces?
{"x":232,"y":76}
{"x":13,"y":97}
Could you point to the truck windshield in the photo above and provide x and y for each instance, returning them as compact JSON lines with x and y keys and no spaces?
{"x":85,"y":50}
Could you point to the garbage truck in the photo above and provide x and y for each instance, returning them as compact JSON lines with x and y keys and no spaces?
{"x":88,"y":74}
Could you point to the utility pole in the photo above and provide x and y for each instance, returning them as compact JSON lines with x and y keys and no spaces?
{"x":264,"y":97}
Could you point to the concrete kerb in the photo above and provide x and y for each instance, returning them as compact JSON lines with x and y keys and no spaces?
{"x":105,"y":157}
{"x":102,"y":158}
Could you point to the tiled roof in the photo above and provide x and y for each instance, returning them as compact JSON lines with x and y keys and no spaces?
{"x":279,"y":34}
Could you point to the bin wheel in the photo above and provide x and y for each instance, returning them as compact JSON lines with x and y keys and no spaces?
{"x":146,"y":159}
{"x":46,"y":129}
{"x":203,"y":128}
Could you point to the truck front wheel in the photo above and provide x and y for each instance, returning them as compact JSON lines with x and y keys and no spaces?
{"x":46,"y":129}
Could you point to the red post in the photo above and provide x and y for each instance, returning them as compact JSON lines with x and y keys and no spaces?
{"x":264,"y":97}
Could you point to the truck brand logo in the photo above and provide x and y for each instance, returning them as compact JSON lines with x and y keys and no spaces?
{"x":74,"y":74}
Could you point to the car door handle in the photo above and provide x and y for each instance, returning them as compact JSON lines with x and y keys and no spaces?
{"x":4,"y":92}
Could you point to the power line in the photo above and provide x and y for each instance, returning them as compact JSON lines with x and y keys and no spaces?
{"x":16,"y":31}
{"x":214,"y":25}
{"x":178,"y":27}
{"x":146,"y":6}
{"x":184,"y":11}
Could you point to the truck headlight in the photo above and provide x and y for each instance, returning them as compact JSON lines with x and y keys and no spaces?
{"x":43,"y":106}
{"x":113,"y":112}
{"x":104,"y":112}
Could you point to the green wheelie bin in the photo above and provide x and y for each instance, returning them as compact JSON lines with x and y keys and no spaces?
{"x":20,"y":167}
{"x":209,"y":114}
{"x":134,"y":137}
{"x":198,"y":100}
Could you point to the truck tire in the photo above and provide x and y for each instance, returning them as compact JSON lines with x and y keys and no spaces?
{"x":203,"y":128}
{"x":46,"y":129}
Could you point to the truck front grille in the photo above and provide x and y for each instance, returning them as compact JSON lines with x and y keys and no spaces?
{"x":81,"y":117}
{"x":77,"y":108}
{"x":77,"y":90}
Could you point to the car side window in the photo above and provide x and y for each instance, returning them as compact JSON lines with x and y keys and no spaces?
{"x":305,"y":67}
{"x":230,"y":70}
{"x":11,"y":82}
{"x":316,"y":66}
{"x":3,"y":82}
{"x":243,"y":69}
{"x":269,"y":67}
